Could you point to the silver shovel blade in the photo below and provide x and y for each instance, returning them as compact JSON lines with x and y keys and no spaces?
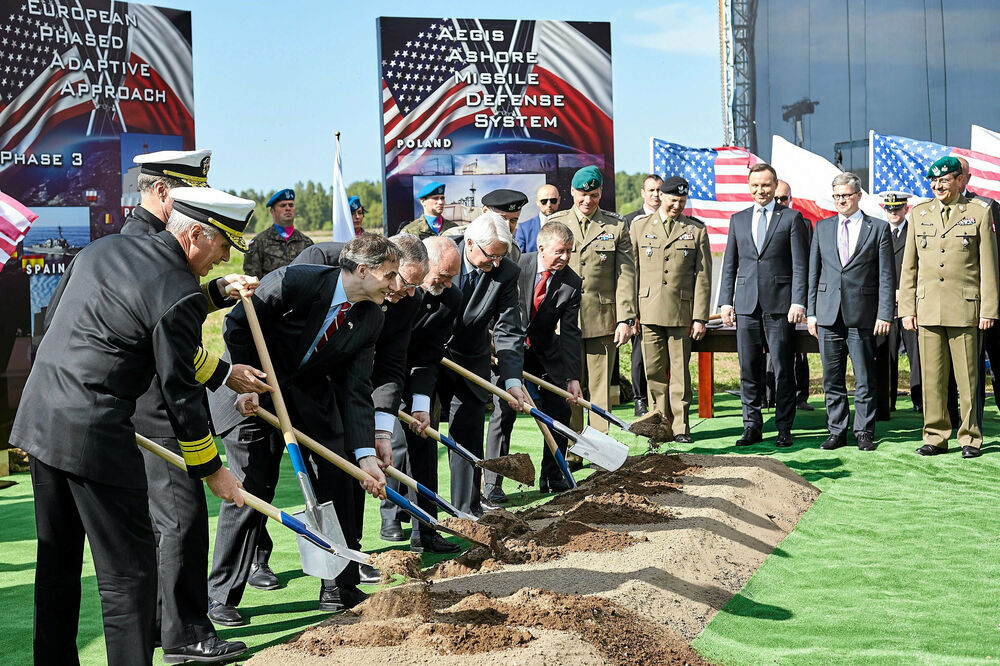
{"x":600,"y":449}
{"x":317,"y":562}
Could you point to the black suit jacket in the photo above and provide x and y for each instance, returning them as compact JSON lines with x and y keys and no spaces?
{"x":494,"y":301}
{"x":127,"y":308}
{"x":330,"y":397}
{"x":432,"y":328}
{"x":777,"y":276}
{"x":389,"y":371}
{"x":558,"y":353}
{"x":142,"y":223}
{"x":860,"y":291}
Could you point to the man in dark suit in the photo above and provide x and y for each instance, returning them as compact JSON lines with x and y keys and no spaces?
{"x":127,"y":307}
{"x":549,"y":299}
{"x":650,"y":204}
{"x":401,"y":310}
{"x":887,"y":348}
{"x":438,"y":302}
{"x":852,"y":286}
{"x":764,"y":276}
{"x":177,"y":504}
{"x":320,"y":325}
{"x":488,"y":281}
{"x":547,"y":199}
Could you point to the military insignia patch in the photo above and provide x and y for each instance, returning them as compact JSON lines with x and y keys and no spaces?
{"x":966,"y":222}
{"x":650,"y":236}
{"x":686,"y":237}
{"x":602,"y":257}
{"x":649,"y":252}
{"x":606,"y":236}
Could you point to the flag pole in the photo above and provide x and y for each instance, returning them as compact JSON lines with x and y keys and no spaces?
{"x":333,"y":186}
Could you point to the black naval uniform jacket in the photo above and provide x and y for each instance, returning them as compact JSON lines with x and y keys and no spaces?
{"x":330,"y":396}
{"x":494,"y":301}
{"x":389,"y":370}
{"x":151,"y":417}
{"x":127,"y":308}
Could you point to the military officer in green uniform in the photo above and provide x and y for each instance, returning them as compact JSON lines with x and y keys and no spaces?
{"x":602,"y":256}
{"x":432,"y":222}
{"x":948,"y":294}
{"x":507,"y":204}
{"x":674,"y":278}
{"x":280,"y":243}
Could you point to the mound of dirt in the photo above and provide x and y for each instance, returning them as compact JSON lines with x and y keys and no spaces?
{"x":400,"y":562}
{"x":516,"y":466}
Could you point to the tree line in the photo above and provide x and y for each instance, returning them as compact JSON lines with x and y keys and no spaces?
{"x":314,"y":206}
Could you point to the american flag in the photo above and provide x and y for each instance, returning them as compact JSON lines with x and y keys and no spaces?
{"x":717,"y":178}
{"x":15,"y":220}
{"x":421,"y":96}
{"x":29,"y":89}
{"x":900,"y":163}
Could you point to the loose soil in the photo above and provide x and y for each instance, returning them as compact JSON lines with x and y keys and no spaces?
{"x":516,"y":466}
{"x":626,"y":569}
{"x":400,"y":562}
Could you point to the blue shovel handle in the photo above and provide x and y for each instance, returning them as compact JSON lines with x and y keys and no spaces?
{"x":608,"y":416}
{"x":459,"y":449}
{"x":409,"y":508}
{"x":295,"y":453}
{"x":437,"y":499}
{"x":300,"y":528}
{"x":552,"y":423}
{"x":561,"y":461}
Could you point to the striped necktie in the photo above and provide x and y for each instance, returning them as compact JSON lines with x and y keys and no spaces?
{"x":334,"y":325}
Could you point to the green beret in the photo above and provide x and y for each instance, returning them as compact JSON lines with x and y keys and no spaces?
{"x":587,"y":179}
{"x":944,"y":166}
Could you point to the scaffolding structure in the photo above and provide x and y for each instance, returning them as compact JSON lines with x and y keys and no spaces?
{"x":736,"y":27}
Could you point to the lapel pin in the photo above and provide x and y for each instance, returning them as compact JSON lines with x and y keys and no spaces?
{"x":649,"y":252}
{"x":350,"y":324}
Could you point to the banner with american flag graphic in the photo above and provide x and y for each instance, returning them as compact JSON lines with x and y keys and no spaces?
{"x":901,"y":163}
{"x":717,"y":178}
{"x":483,"y":104}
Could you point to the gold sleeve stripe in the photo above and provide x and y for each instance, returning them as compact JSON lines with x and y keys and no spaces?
{"x":200,"y":452}
{"x":204,"y":365}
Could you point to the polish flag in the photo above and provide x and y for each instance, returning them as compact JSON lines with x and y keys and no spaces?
{"x":15,"y":220}
{"x":810,"y":177}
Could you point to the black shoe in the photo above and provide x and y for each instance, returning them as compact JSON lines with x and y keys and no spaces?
{"x":682,"y":439}
{"x":833,"y":442}
{"x":556,"y":485}
{"x":930,"y":450}
{"x":918,"y":408}
{"x":339,"y":598}
{"x":640,"y":407}
{"x":431,"y":542}
{"x":804,"y":406}
{"x":866,"y":442}
{"x":574,"y":464}
{"x":220,"y":613}
{"x":212,"y":650}
{"x":262,"y":578}
{"x":497,"y":496}
{"x":784,"y":439}
{"x":971,"y":452}
{"x":749,"y":436}
{"x":391,"y":531}
{"x":370,"y":575}
{"x":488,"y":505}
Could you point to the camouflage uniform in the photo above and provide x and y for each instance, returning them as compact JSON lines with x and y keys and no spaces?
{"x":269,"y":251}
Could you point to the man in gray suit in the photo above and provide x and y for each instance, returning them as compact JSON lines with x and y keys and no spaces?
{"x":852,"y":283}
{"x":764,"y":275}
{"x":488,"y":281}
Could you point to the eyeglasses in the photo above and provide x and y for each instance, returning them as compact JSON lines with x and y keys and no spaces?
{"x":407,"y":285}
{"x":489,"y":257}
{"x":781,"y":199}
{"x":548,"y":201}
{"x":844,"y":197}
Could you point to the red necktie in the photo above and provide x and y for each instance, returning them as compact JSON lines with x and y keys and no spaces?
{"x":334,"y":325}
{"x":539,"y":294}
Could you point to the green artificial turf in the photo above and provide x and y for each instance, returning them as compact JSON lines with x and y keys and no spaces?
{"x":895,"y":563}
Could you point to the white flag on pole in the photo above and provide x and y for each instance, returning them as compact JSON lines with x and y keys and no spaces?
{"x":985,"y":141}
{"x":343,"y":227}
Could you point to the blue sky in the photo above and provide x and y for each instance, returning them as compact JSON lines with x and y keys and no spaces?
{"x":273,"y":81}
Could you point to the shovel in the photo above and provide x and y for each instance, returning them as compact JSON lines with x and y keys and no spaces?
{"x":322,"y":517}
{"x":553,"y":447}
{"x":586,"y":404}
{"x":514,"y":472}
{"x":342,"y":463}
{"x":335,"y":552}
{"x":591,"y":444}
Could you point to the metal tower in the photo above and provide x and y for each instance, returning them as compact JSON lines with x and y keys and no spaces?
{"x":736,"y":20}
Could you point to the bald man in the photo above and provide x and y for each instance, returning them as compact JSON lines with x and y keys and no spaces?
{"x":547,"y":199}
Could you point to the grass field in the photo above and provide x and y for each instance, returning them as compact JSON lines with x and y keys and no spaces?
{"x":895,"y":563}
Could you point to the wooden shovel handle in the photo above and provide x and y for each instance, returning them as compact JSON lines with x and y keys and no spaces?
{"x":409,"y":420}
{"x":335,"y":459}
{"x":268,"y":367}
{"x":476,"y":379}
{"x":546,"y":433}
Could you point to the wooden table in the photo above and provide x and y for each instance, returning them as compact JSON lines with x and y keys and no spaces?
{"x":723,"y":339}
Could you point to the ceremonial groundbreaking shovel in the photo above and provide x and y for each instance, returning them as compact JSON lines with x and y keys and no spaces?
{"x":591,"y":444}
{"x":361,"y":475}
{"x":523,"y":474}
{"x":586,"y":404}
{"x":321,"y":517}
{"x":553,"y":447}
{"x":335,"y":551}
